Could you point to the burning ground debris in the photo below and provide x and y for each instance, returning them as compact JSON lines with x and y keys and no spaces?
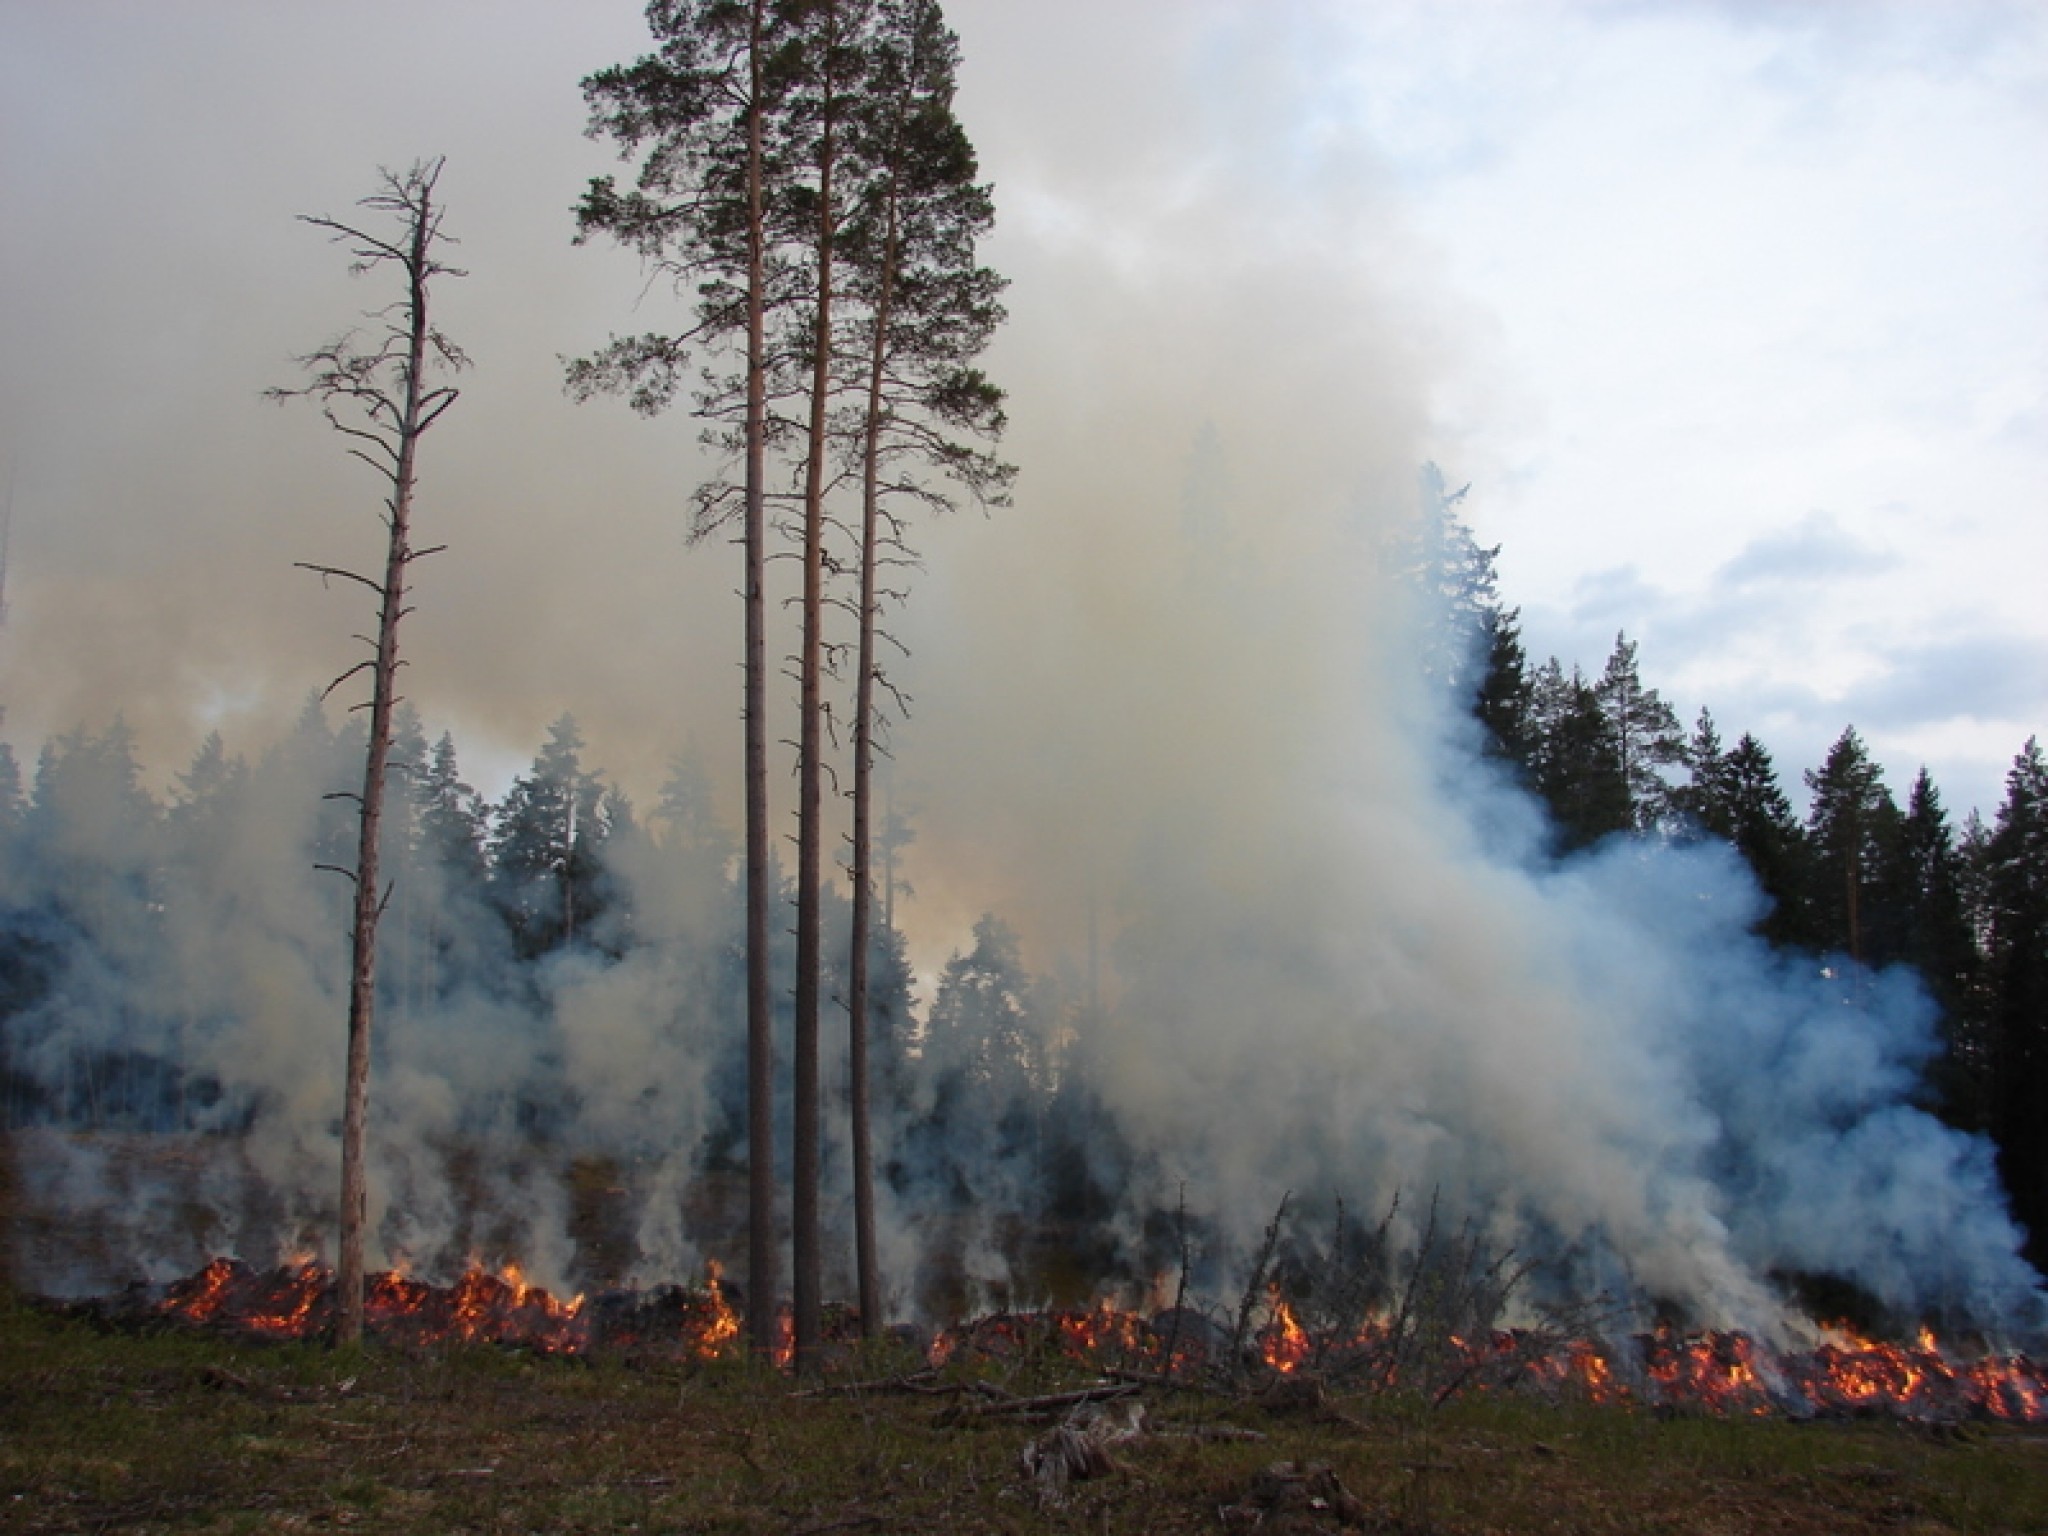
{"x":297,"y":1301}
{"x":1282,"y":1363}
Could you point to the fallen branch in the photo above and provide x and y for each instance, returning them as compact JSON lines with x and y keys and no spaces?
{"x":923,"y":1381}
{"x":1026,"y":1407}
{"x":1164,"y":1382}
{"x":1211,"y":1434}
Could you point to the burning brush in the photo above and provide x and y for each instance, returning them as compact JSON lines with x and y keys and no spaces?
{"x":1719,"y":1373}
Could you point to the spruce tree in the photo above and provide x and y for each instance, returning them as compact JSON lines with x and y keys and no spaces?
{"x":1928,"y":873}
{"x":450,"y":818}
{"x":458,"y":940}
{"x":1851,"y":827}
{"x":2016,"y":968}
{"x":1452,"y":577}
{"x":546,"y":848}
{"x":1579,"y":774}
{"x":1936,"y":939}
{"x":1765,"y":831}
{"x":1705,"y":801}
{"x":1505,"y":705}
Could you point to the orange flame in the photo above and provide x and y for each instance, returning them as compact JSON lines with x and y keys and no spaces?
{"x":1721,"y":1373}
{"x":1283,"y":1343}
{"x":721,"y":1324}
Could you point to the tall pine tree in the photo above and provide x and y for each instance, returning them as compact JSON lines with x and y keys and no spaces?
{"x":925,"y":312}
{"x":702,"y":111}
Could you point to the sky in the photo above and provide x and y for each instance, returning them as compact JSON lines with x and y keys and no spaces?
{"x":1733,"y":315}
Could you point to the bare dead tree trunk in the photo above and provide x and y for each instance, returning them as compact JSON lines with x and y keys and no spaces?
{"x":762,"y":1250}
{"x":378,"y":396}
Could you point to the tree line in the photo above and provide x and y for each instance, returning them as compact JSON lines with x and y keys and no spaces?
{"x":136,"y":931}
{"x":125,"y":913}
{"x":1858,"y":878}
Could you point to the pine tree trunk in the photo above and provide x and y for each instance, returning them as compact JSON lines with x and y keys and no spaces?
{"x":762,"y":1251}
{"x":867,"y":1266}
{"x":807,"y":1278}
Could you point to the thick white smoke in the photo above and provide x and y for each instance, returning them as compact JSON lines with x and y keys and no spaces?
{"x":1169,"y":715}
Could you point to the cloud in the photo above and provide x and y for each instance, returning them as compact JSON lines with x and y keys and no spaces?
{"x":1816,"y":551}
{"x":1970,"y":674}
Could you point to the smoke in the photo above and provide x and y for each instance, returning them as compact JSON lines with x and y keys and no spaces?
{"x":1283,"y":932}
{"x":1174,"y":695}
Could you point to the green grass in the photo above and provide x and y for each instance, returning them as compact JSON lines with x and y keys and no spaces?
{"x":174,"y":1432}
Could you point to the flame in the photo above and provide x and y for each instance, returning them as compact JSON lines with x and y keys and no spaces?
{"x":1104,"y":1328}
{"x":1714,"y":1371}
{"x":1719,"y":1373}
{"x":287,"y":1310}
{"x":201,"y":1297}
{"x":721,"y":1323}
{"x":1283,"y":1343}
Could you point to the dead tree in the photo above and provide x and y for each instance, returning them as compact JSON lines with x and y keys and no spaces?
{"x":373,"y":386}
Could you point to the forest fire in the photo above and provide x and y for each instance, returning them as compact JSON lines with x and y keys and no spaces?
{"x":1724,"y":1374}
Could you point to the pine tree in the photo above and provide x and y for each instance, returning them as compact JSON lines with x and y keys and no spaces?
{"x":1644,"y":736}
{"x":704,"y":108}
{"x":825,"y":44}
{"x":927,"y":310}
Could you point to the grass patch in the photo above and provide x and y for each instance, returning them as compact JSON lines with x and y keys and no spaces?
{"x":182,"y":1433}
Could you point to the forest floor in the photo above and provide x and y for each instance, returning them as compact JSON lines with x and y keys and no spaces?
{"x":188,"y":1431}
